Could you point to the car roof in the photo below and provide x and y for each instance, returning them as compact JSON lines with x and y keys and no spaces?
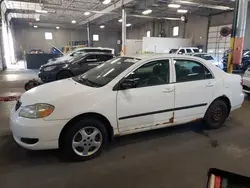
{"x":189,"y":48}
{"x":97,"y":48}
{"x":201,"y":54}
{"x":146,"y":57}
{"x":97,"y":53}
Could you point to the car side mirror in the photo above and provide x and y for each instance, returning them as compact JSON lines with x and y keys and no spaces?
{"x":127,"y":84}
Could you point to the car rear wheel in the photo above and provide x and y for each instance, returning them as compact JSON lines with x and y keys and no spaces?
{"x":63,"y":75}
{"x":216,"y":114}
{"x":84,"y":140}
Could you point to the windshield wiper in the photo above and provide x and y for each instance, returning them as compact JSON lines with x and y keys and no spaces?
{"x":88,"y":82}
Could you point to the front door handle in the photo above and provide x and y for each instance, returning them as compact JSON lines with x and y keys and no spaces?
{"x":167,"y":90}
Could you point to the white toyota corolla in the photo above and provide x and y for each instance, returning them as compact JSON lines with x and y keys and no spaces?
{"x":123,"y":96}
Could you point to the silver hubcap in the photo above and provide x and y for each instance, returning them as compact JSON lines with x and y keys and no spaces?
{"x":87,"y":141}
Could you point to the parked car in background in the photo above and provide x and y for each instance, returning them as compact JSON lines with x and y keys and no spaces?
{"x":246,"y":82}
{"x":75,"y":66}
{"x":122,"y":96}
{"x":173,"y":51}
{"x":210,"y":59}
{"x":78,"y":51}
{"x":245,"y":63}
{"x":186,"y":50}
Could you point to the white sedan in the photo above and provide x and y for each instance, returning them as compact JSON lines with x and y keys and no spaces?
{"x":210,"y":59}
{"x":123,"y":96}
{"x":246,"y":82}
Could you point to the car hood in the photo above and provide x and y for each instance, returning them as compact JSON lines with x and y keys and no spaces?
{"x":58,"y":90}
{"x":59,"y":60}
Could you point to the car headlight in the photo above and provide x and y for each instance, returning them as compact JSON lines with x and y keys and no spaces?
{"x":50,"y":68}
{"x":36,"y":111}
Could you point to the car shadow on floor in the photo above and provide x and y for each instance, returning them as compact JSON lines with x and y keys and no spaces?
{"x":12,"y":154}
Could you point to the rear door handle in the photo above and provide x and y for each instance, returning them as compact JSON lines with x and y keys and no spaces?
{"x":209,"y":85}
{"x":167,"y":90}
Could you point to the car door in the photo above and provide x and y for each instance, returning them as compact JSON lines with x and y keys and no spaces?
{"x":150,"y":103}
{"x":182,"y":51}
{"x":194,"y":89}
{"x":88,"y":63}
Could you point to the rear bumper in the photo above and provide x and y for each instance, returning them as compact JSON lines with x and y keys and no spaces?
{"x":246,"y":85}
{"x":238,"y":102}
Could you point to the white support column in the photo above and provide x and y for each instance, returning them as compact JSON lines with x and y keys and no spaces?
{"x":124,"y":35}
{"x":88,"y":34}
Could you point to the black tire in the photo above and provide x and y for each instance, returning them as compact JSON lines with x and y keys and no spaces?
{"x":216,"y":114}
{"x":63,"y":75}
{"x":66,"y":142}
{"x":29,"y":85}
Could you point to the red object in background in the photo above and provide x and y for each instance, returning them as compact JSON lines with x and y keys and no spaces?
{"x":217,"y":182}
{"x":237,"y":54}
{"x":30,"y":23}
{"x":9,"y":98}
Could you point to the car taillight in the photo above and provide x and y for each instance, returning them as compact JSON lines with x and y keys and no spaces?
{"x":241,"y":82}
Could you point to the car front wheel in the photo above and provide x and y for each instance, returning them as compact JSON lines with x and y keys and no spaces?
{"x":216,"y":114}
{"x":84,"y":140}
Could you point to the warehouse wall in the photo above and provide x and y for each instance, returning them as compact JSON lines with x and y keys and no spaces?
{"x":165,"y":29}
{"x":222,"y":19}
{"x":28,"y":38}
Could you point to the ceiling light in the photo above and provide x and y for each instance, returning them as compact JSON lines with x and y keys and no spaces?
{"x":86,"y":13}
{"x":41,"y":11}
{"x":73,"y":21}
{"x":145,"y":12}
{"x":38,"y":19}
{"x":182,"y":11}
{"x":128,"y":25}
{"x":174,"y":6}
{"x":120,"y":20}
{"x":105,"y":2}
{"x":57,"y":27}
{"x":35,"y":26}
{"x":102,"y":26}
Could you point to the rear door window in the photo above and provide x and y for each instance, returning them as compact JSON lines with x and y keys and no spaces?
{"x":189,"y":70}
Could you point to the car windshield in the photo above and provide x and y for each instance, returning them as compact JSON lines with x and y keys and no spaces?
{"x":77,"y":58}
{"x":173,"y":51}
{"x":106,"y":72}
{"x":204,"y":56}
{"x":71,"y":52}
{"x":196,"y":50}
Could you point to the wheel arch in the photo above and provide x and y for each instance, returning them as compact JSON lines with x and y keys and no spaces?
{"x":226,"y":100}
{"x":98,"y":116}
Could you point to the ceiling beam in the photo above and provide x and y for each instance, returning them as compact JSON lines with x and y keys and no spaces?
{"x":112,"y":7}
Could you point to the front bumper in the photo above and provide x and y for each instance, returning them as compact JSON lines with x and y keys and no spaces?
{"x":46,"y":132}
{"x":47,"y":76}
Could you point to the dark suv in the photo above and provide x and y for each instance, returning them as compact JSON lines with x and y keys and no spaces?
{"x":78,"y":65}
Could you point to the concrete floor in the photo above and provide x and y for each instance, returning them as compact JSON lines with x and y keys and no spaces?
{"x":172,"y":157}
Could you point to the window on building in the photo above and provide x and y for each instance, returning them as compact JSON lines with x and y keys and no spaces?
{"x":48,"y":36}
{"x":176,"y":31}
{"x":95,"y":37}
{"x":148,"y":33}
